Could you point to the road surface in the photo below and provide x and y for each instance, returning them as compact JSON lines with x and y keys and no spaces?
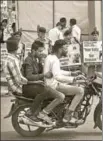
{"x":84,"y":132}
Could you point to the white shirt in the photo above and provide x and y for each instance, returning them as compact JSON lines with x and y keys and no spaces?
{"x":52,"y":64}
{"x":55,"y":34}
{"x":7,"y":32}
{"x":20,"y":52}
{"x":13,"y":16}
{"x":76,"y":32}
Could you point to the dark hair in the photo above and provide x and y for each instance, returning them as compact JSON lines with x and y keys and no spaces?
{"x":58,"y":24}
{"x":63,"y":19}
{"x":95,"y":32}
{"x":58,"y":44}
{"x":36,"y":45}
{"x":42,"y":29}
{"x":13,"y":8}
{"x":0,"y":25}
{"x":12,"y":44}
{"x":73,"y":21}
{"x":67,"y":32}
{"x":5,"y":21}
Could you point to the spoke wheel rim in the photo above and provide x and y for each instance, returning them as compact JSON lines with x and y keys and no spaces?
{"x":25,"y":127}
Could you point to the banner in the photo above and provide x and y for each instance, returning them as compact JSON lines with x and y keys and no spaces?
{"x":92,"y":51}
{"x":73,"y":56}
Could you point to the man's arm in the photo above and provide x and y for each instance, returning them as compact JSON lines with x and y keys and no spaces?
{"x":29,"y":72}
{"x":76,"y":33}
{"x":15,"y":71}
{"x":66,"y":73}
{"x":51,"y":36}
{"x":61,"y":35}
{"x":50,"y":47}
{"x":58,"y":75}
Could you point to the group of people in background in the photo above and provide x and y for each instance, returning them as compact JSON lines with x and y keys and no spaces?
{"x":70,"y":34}
{"x":8,"y":24}
{"x":61,"y":30}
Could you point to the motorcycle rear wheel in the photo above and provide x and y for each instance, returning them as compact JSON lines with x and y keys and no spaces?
{"x":19,"y":129}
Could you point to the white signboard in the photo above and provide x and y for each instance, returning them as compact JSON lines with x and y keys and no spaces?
{"x":92,"y":51}
{"x":73,"y":56}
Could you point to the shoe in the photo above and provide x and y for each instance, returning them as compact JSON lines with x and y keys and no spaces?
{"x":28,"y":113}
{"x":45,"y":117}
{"x":31,"y":121}
{"x":34,"y":121}
{"x":30,"y":116}
{"x":76,"y":121}
{"x":73,"y":120}
{"x":67,"y":116}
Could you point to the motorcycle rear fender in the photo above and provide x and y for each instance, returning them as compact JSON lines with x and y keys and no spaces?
{"x":20,"y":101}
{"x":12,"y":110}
{"x":99,"y":105}
{"x":14,"y":107}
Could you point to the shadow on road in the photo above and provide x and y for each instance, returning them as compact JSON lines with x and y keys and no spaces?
{"x":54,"y":135}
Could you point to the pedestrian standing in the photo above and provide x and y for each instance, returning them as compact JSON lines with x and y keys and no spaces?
{"x":63,"y":22}
{"x":76,"y":31}
{"x":46,"y":41}
{"x":7,"y":30}
{"x":55,"y":33}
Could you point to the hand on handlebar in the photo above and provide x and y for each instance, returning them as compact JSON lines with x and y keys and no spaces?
{"x":80,"y":77}
{"x":48,"y":75}
{"x":76,"y":73}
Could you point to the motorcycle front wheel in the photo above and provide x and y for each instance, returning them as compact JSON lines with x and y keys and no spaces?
{"x":22,"y":129}
{"x":99,"y":118}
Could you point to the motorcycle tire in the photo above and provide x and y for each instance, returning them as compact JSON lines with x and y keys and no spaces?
{"x":98,"y":118}
{"x":21,"y":131}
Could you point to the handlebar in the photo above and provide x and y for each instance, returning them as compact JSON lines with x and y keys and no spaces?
{"x":85,"y":79}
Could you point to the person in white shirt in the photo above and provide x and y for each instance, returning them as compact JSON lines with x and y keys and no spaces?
{"x":7,"y":30}
{"x":63,"y":22}
{"x":76,"y":31}
{"x":21,"y":46}
{"x":68,"y":37}
{"x":43,"y":38}
{"x":61,"y":78}
{"x":55,"y":33}
{"x":95,"y":35}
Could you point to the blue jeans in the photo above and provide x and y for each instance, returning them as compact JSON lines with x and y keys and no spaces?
{"x":40,"y":93}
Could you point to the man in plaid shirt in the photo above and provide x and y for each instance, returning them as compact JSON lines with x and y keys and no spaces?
{"x":12,"y":68}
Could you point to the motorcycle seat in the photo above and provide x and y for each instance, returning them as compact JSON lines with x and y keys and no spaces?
{"x":23,"y":98}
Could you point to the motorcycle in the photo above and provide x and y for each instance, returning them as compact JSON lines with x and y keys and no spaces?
{"x":92,"y":87}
